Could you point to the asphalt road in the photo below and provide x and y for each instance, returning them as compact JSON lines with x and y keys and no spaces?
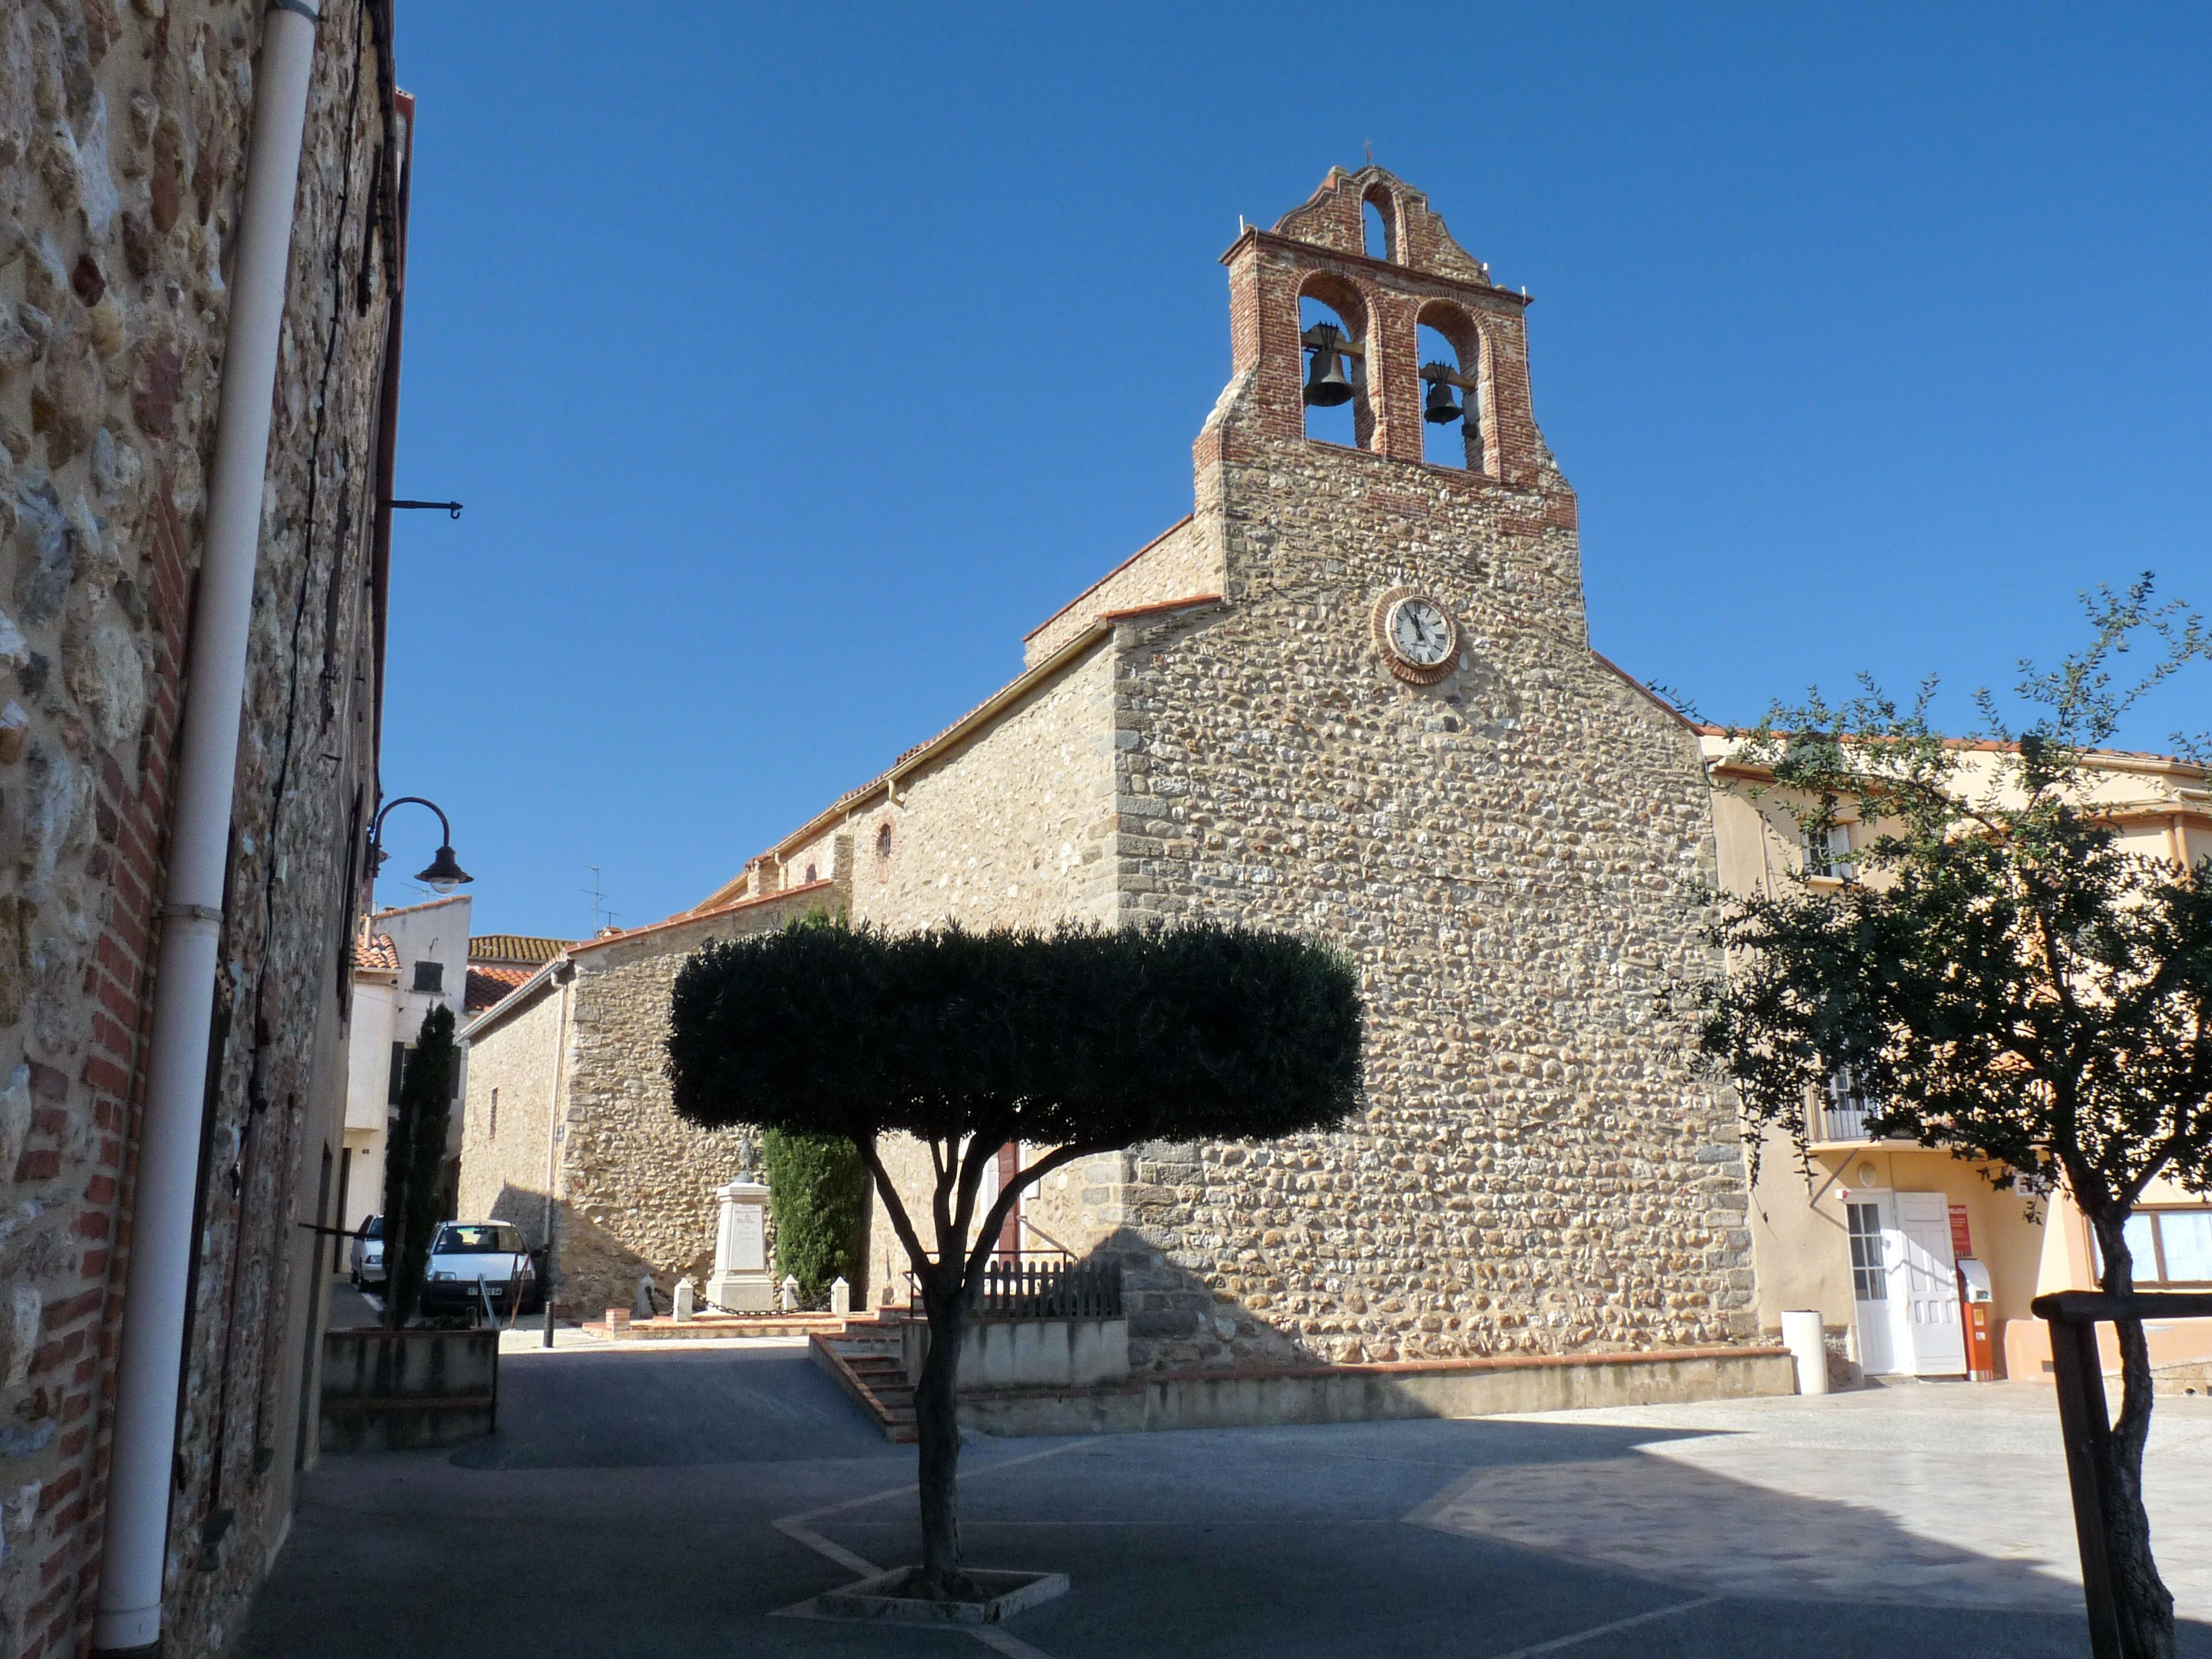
{"x":628,"y":1506}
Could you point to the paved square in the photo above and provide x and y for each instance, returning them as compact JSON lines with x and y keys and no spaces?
{"x":666,"y":1502}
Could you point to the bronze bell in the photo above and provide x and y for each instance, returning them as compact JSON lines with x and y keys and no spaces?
{"x":1326,"y":386}
{"x":1439,"y":408}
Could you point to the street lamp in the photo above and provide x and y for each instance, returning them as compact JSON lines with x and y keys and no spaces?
{"x":444,"y":874}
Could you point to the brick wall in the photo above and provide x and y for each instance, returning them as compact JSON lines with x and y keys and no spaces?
{"x":509,"y":1160}
{"x":123,"y":130}
{"x":1012,"y":830}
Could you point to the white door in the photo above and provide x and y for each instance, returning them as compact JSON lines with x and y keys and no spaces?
{"x":1925,"y":1286}
{"x":1871,"y":1290}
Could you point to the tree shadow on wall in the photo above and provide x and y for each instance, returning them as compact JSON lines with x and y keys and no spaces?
{"x":1181,"y":1322}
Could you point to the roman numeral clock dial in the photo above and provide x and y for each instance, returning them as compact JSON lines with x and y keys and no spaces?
{"x":1419,"y":639}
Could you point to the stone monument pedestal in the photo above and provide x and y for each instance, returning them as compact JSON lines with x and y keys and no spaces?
{"x":741,"y":1281}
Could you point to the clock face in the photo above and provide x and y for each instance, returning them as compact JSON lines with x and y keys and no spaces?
{"x":1421,"y":632}
{"x":1415,"y":637}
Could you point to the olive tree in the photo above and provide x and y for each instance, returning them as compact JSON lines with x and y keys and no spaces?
{"x":2001,"y":977}
{"x":1078,"y":1041}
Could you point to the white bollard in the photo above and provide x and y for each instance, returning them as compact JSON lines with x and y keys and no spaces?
{"x":687,"y":1297}
{"x":1801,"y":1335}
{"x":841,"y":1297}
{"x":790,"y":1294}
{"x":642,"y":1308}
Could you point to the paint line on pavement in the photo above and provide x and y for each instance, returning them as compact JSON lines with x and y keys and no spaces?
{"x":1558,"y":1643}
{"x":800,"y":1533}
{"x":1008,"y":1644}
{"x":1151,"y":1526}
{"x":915,"y":1485}
{"x":794,"y":1528}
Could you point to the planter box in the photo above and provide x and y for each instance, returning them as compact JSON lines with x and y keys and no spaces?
{"x":1029,"y":1353}
{"x":404,"y":1390}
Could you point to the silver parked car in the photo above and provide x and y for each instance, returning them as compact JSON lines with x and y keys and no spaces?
{"x":366,"y":1255}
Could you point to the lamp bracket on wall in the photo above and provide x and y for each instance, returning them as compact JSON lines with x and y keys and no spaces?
{"x":452,"y":509}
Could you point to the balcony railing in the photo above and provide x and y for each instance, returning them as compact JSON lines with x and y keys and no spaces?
{"x":1843,"y":1122}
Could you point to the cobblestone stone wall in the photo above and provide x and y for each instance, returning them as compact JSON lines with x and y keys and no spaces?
{"x":633,"y":1184}
{"x":123,"y":132}
{"x":1010,"y":831}
{"x":509,"y":1159}
{"x":1511,"y":856}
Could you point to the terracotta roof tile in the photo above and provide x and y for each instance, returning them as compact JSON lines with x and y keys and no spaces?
{"x":376,"y":952}
{"x":488,"y":984}
{"x":505,"y":948}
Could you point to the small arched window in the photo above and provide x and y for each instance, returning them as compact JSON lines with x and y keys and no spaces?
{"x":811,"y":876}
{"x":884,"y":841}
{"x":1332,"y":337}
{"x":1379,"y":219}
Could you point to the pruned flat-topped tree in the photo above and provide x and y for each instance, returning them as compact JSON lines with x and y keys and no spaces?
{"x":1080,"y":1041}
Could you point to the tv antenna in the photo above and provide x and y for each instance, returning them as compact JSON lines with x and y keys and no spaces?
{"x":599,"y":903}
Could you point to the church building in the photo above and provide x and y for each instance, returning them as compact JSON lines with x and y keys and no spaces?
{"x":1351,"y":695}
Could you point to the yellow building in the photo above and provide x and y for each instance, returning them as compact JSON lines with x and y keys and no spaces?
{"x":1889,"y":1240}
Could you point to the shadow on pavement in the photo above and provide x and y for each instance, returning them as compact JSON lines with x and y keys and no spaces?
{"x":625,"y":1508}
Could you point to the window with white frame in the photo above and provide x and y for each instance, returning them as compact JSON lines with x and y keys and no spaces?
{"x":1828,"y":852}
{"x":2171,"y":1246}
{"x":1869,"y":1271}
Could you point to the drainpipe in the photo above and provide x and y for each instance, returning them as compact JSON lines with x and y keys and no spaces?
{"x":149,"y":1365}
{"x":566,"y":976}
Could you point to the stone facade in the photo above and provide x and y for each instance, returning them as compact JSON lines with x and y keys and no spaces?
{"x":1513,"y":854}
{"x":584,"y":1135}
{"x":123,"y":132}
{"x":1181,"y":561}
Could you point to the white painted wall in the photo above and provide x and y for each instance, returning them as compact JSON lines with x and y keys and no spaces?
{"x":368,"y":1071}
{"x":386,"y":1013}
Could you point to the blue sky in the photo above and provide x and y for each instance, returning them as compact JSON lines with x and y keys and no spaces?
{"x":793,"y":362}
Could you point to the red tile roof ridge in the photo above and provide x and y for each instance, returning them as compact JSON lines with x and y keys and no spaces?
{"x":486,"y":985}
{"x":1107,"y":577}
{"x":1097,"y":630}
{"x":706,"y":914}
{"x":1158,"y":606}
{"x":505,"y":948}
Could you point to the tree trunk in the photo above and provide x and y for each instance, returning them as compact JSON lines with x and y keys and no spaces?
{"x":2145,"y":1605}
{"x":937,"y":1425}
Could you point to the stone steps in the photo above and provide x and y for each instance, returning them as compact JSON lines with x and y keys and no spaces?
{"x":865,"y":1360}
{"x":706,"y":1327}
